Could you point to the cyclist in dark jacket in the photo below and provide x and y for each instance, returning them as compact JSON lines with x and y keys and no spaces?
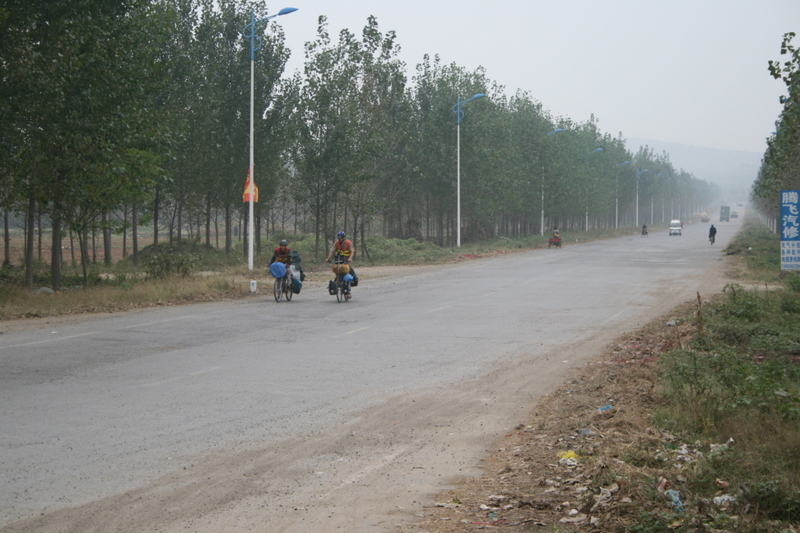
{"x":282,"y":254}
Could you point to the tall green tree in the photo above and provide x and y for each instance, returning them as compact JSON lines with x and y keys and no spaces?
{"x":73,"y":103}
{"x":324,"y":128}
{"x":780,"y":167}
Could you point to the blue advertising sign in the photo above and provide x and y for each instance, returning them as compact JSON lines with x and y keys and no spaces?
{"x":790,"y":230}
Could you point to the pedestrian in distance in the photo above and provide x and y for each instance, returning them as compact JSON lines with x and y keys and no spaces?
{"x":712,"y":234}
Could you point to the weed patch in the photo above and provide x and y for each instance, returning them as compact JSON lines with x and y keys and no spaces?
{"x":740,"y":382}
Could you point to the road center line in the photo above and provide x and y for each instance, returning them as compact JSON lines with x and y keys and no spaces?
{"x":438,"y":309}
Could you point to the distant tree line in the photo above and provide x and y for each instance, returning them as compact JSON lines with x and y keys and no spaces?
{"x":780,"y":166}
{"x":118,"y":116}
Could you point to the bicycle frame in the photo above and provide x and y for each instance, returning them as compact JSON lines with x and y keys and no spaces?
{"x":283,"y":286}
{"x":342,"y":286}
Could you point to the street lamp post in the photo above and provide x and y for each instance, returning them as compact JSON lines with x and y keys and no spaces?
{"x":671,"y":197}
{"x":249,"y":32}
{"x":638,"y":175}
{"x":541,"y":223}
{"x":587,"y":187}
{"x":652,"y":204}
{"x":460,"y":115}
{"x":616,"y":195}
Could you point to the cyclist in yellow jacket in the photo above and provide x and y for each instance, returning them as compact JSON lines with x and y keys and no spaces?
{"x":343,"y":248}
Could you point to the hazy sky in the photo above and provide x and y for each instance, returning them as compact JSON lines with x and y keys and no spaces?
{"x":685,"y":71}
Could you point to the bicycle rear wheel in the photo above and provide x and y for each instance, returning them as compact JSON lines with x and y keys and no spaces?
{"x":346,"y":288}
{"x":277,"y":289}
{"x":287,"y":287}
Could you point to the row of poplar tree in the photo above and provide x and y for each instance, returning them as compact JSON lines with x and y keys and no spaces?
{"x":134,"y":114}
{"x":780,"y":166}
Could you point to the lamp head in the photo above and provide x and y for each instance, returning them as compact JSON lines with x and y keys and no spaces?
{"x":478,"y":95}
{"x":287,"y":10}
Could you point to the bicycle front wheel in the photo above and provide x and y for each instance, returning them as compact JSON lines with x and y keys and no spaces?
{"x":277,"y":289}
{"x":339,"y":289}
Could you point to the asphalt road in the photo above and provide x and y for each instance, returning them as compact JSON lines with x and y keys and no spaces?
{"x":313,"y":414}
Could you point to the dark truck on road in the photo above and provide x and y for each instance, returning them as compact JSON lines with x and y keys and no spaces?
{"x":725,"y":213}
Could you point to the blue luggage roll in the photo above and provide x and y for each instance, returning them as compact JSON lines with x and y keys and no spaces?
{"x":348,"y":278}
{"x":277,"y":269}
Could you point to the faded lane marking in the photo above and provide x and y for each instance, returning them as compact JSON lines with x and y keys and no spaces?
{"x":178,"y":378}
{"x":206,"y":371}
{"x":77,"y":335}
{"x":438,"y":309}
{"x":55,"y":339}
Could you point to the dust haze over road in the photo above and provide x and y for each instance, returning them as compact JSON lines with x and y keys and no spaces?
{"x":314,"y":415}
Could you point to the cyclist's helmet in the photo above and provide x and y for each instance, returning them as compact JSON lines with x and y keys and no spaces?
{"x":283,"y":242}
{"x":340,"y":235}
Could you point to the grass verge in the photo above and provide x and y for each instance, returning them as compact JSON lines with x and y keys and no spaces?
{"x":736,"y":381}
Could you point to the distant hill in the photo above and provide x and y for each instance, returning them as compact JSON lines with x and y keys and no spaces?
{"x":730,"y":169}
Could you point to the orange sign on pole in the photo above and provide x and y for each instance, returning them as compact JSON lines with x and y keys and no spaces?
{"x":248,"y":189}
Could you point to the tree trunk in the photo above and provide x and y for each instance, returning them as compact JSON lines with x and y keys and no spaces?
{"x":125,"y":231}
{"x":216,"y":228}
{"x":155,"y":219}
{"x":227,"y":230}
{"x":83,"y":242}
{"x":135,"y":234}
{"x":208,"y":220}
{"x":106,"y":240}
{"x":6,"y":240}
{"x":55,"y":260}
{"x":72,"y":248}
{"x":94,"y":245}
{"x":29,"y":243}
{"x":180,"y":224}
{"x":258,"y":231}
{"x":245,"y":232}
{"x":39,"y":235}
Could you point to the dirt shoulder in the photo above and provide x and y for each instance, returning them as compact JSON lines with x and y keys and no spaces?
{"x":588,"y":456}
{"x":563,"y":468}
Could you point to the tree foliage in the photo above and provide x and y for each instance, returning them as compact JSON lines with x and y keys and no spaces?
{"x":780,"y":166}
{"x":142,"y":107}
